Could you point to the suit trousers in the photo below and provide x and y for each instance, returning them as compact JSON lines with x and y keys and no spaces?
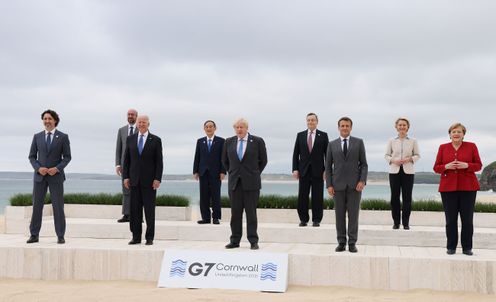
{"x":142,"y":198}
{"x":306,"y":183}
{"x":57,"y":198}
{"x":247,"y":200}
{"x":401,"y":183}
{"x":210,"y":194}
{"x":347,"y":201}
{"x":126,"y":200}
{"x":462,"y":202}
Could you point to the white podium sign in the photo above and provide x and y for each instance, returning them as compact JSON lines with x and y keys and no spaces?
{"x":229,"y":270}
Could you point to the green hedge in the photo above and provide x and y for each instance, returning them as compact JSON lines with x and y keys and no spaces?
{"x":101,"y":198}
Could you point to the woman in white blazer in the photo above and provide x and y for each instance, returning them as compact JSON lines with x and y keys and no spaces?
{"x":401,"y":154}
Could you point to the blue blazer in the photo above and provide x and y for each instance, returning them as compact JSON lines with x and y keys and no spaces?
{"x":58,"y":156}
{"x":209,"y":161}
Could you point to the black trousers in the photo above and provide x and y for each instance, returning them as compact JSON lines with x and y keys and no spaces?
{"x":401,"y":183}
{"x":247,"y":200}
{"x":210,"y":193}
{"x":142,"y":198}
{"x":306,"y":184}
{"x":462,"y":202}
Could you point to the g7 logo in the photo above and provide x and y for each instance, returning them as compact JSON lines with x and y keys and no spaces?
{"x":195,"y":269}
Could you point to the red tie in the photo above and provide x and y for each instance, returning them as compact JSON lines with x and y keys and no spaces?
{"x":309,"y":142}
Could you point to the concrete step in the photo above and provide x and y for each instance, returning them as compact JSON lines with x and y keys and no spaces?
{"x":419,"y":236}
{"x":375,"y":267}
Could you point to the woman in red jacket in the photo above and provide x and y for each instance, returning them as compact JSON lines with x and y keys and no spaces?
{"x":457,"y":163}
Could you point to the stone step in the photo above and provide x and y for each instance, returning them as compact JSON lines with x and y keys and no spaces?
{"x":420,"y":236}
{"x":374,"y":267}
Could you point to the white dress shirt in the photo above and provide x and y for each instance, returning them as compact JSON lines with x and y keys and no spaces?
{"x":145,"y":135}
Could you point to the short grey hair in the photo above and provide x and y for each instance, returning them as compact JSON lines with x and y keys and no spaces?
{"x":240,"y":121}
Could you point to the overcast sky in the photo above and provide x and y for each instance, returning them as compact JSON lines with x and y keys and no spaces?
{"x":182,"y":62}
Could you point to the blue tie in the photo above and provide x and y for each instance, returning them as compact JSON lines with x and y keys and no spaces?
{"x":240,"y":149}
{"x":140,"y":144}
{"x":49,"y":140}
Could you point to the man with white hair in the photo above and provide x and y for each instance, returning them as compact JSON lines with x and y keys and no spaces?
{"x":142,"y":174}
{"x":244,"y":157}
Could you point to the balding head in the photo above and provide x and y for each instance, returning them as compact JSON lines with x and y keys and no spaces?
{"x":131,"y":116}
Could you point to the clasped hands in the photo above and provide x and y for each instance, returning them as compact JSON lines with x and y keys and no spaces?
{"x":455,"y":165}
{"x":50,"y":171}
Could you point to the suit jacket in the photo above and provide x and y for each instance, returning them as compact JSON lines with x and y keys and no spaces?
{"x":209,"y":161}
{"x":302,"y":159}
{"x":399,"y":149}
{"x":120,"y":147}
{"x":250,"y":167}
{"x":145,"y":168}
{"x":346,"y":171}
{"x":460,"y":179}
{"x":58,"y":156}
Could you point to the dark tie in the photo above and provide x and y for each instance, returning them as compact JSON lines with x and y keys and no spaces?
{"x":209,"y":144}
{"x":140,"y":144}
{"x":309,"y":142}
{"x":49,"y":140}
{"x":131,"y":130}
{"x":345,"y":146}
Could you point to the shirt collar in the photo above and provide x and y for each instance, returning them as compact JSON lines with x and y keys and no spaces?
{"x":144,"y":134}
{"x":342,"y":138}
{"x":52,"y":131}
{"x":210,"y":138}
{"x":314,"y":131}
{"x":406,"y":137}
{"x":244,"y":138}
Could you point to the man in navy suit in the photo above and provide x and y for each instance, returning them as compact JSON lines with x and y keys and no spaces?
{"x":308,"y":167}
{"x":49,"y":154}
{"x":244,"y":156}
{"x":142,"y":174}
{"x":208,"y":168}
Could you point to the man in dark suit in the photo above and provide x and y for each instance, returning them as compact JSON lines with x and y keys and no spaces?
{"x":208,"y":168}
{"x":49,"y":154}
{"x":120,"y":147}
{"x":143,"y":167}
{"x":244,"y":157}
{"x":308,"y":167}
{"x":346,"y":176}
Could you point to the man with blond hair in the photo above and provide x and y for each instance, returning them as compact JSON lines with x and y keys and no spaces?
{"x":244,"y":157}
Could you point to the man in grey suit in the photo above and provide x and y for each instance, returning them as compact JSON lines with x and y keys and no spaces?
{"x":49,"y":154}
{"x":120,"y":147}
{"x":244,"y":157}
{"x":346,"y":175}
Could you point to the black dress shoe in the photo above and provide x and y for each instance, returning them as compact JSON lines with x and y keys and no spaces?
{"x":216,"y":221}
{"x":149,"y":242}
{"x":396,"y":226}
{"x":468,"y":252}
{"x":60,"y":240}
{"x":124,"y":218}
{"x":232,"y":245}
{"x":303,"y":224}
{"x":33,"y":239}
{"x":254,"y":246}
{"x":352,"y":248}
{"x":406,"y":227}
{"x":134,"y":241}
{"x":316,"y":224}
{"x":450,"y":252}
{"x":203,"y":221}
{"x":340,"y":248}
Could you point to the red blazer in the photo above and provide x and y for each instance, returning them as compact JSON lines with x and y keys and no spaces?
{"x":462,"y":179}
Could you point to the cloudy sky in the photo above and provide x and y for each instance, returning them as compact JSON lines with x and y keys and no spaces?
{"x":182,"y":62}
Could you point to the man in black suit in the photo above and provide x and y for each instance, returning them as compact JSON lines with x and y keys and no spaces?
{"x":208,"y":168}
{"x":49,"y":154}
{"x":308,"y":167}
{"x":244,"y":157}
{"x":142,"y":173}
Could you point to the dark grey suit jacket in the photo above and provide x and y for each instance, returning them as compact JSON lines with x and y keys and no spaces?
{"x":247,"y":170}
{"x":58,"y":156}
{"x":341,"y":171}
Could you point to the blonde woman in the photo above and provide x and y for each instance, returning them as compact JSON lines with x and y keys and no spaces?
{"x":402,"y":153}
